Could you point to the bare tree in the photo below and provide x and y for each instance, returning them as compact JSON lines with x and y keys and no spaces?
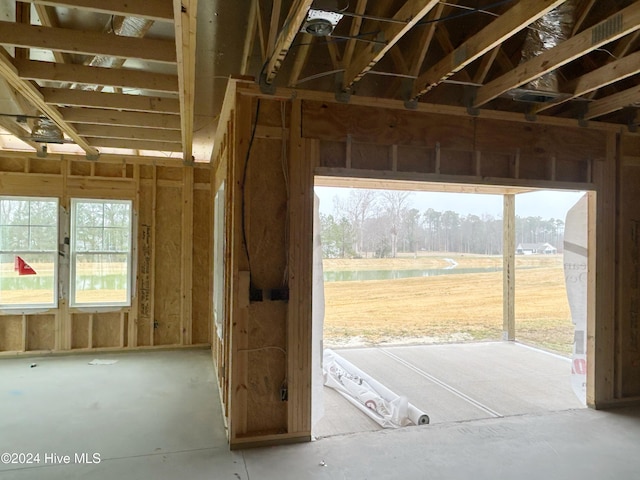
{"x":395,"y":205}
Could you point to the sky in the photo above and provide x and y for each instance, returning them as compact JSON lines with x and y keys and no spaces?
{"x":546,"y":203}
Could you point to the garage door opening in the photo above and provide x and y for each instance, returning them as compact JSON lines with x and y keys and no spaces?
{"x":415,"y":297}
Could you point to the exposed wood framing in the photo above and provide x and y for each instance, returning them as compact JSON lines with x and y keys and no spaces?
{"x":586,"y":8}
{"x":186,"y":256}
{"x":276,"y":7}
{"x":354,"y":30}
{"x":425,"y":40}
{"x":297,"y":14}
{"x":411,"y":12}
{"x":128,"y":132}
{"x":613,"y":102}
{"x":250,"y":38}
{"x":509,"y":268}
{"x":135,"y":144}
{"x":33,"y":95}
{"x":110,"y":101}
{"x":186,"y":14}
{"x":132,"y":119}
{"x":58,"y":72}
{"x":160,"y":10}
{"x":87,"y":42}
{"x":301,"y":58}
{"x":503,"y":27}
{"x":618,"y":25}
{"x":48,"y":18}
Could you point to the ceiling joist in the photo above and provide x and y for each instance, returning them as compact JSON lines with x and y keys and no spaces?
{"x":186,"y":14}
{"x":505,"y":26}
{"x":110,"y":101}
{"x":616,"y":26}
{"x":112,"y":117}
{"x":291,"y":28}
{"x":108,"y":77}
{"x":160,"y":10}
{"x":135,"y":144}
{"x":87,"y":42}
{"x":10,"y":73}
{"x":409,"y":14}
{"x":613,"y":103}
{"x":131,"y":133}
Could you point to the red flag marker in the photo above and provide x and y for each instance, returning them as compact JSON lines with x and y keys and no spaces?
{"x":23,"y":268}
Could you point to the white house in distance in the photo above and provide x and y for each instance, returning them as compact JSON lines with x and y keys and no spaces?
{"x":536,"y":249}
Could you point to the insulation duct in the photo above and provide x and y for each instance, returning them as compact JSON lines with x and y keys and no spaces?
{"x":45,"y":131}
{"x":124,"y":27}
{"x":544,"y":34}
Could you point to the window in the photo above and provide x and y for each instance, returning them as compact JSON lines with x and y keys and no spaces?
{"x":100,"y":252}
{"x":28,"y":252}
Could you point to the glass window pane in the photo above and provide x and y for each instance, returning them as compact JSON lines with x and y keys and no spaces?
{"x":43,"y":238}
{"x":116,"y":215}
{"x":89,"y":214}
{"x":116,"y":240}
{"x":43,"y":213}
{"x":14,"y":238}
{"x":28,"y":290}
{"x":101,"y":278}
{"x":89,"y":239}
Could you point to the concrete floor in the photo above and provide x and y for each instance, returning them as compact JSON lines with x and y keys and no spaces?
{"x":456,"y":382}
{"x":157,"y":415}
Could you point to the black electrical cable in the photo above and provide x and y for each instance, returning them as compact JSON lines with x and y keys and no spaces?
{"x":244,"y":178}
{"x":465,"y":13}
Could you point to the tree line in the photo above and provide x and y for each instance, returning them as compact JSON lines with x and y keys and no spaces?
{"x":385,"y":223}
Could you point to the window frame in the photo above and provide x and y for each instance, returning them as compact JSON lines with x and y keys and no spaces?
{"x":26,"y":307}
{"x":73,"y":255}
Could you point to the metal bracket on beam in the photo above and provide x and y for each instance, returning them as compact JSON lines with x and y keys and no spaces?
{"x":343,"y":96}
{"x":406,"y":90}
{"x":468,"y":98}
{"x":633,"y":127}
{"x":42,"y":152}
{"x":582,"y":122}
{"x":581,"y":109}
{"x":93,"y":158}
{"x":189,"y":163}
{"x":411,"y":104}
{"x":531,"y":116}
{"x":266,"y":88}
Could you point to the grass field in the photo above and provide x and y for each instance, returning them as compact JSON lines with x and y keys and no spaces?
{"x":461,"y":307}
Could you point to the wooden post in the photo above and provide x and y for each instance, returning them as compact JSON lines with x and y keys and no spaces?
{"x":509,"y":268}
{"x":186,"y":284}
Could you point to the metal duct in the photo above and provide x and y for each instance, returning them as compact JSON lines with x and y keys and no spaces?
{"x":545,"y":33}
{"x":124,"y":27}
{"x":45,"y":131}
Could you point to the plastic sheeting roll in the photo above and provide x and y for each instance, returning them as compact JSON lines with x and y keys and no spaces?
{"x":385,"y":407}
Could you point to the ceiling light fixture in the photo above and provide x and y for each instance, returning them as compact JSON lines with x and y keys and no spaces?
{"x":321,"y":20}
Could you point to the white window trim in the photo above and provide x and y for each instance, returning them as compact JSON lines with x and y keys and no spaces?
{"x":73,"y":253}
{"x":31,"y":307}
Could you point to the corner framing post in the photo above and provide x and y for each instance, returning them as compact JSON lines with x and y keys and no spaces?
{"x":509,"y":267}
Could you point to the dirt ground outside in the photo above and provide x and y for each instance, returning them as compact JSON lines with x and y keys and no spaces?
{"x":447,"y":308}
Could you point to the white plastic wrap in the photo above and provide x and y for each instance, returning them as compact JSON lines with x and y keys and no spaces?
{"x":317,"y":315}
{"x":388,"y":409}
{"x":575,"y":273}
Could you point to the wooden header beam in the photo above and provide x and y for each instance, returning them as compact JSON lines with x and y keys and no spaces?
{"x":411,"y":13}
{"x":10,"y":73}
{"x":505,"y":26}
{"x":185,"y":17}
{"x":87,"y":42}
{"x":616,"y":26}
{"x":159,"y":10}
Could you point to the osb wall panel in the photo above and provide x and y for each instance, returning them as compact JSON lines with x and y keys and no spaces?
{"x":11,"y":333}
{"x":368,"y":156}
{"x":333,"y":154}
{"x":456,"y":162}
{"x":497,"y":165}
{"x":167,"y":264}
{"x":80,"y":330}
{"x":202,"y":264}
{"x":416,"y":159}
{"x":158,"y":297}
{"x":629,"y":281}
{"x":266,"y":208}
{"x":266,"y":411}
{"x":106,"y":330}
{"x":329,"y":121}
{"x":41,"y":332}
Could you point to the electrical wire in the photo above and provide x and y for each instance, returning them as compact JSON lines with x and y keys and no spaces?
{"x":244,"y":179}
{"x":465,"y":13}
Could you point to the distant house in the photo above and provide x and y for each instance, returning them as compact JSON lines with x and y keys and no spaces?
{"x":536,"y":249}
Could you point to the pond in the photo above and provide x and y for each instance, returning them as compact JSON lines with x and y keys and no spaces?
{"x":365,"y":275}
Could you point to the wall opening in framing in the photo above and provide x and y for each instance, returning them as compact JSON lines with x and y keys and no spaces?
{"x":464,"y":371}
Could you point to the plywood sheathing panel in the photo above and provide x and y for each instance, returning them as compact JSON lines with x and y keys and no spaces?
{"x":11,"y":333}
{"x":266,"y":412}
{"x":265,"y":214}
{"x":629,"y":273}
{"x":82,"y":169}
{"x":37,"y":165}
{"x":167,"y":264}
{"x":416,"y":159}
{"x":496,"y":165}
{"x":368,"y":156}
{"x":539,"y":140}
{"x":202,"y":257}
{"x":112,"y":170}
{"x":168,"y":173}
{"x":454,"y":162}
{"x":106,"y":330}
{"x":12,"y":165}
{"x":41,"y":332}
{"x":333,"y":154}
{"x":80,"y":330}
{"x":327,"y":121}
